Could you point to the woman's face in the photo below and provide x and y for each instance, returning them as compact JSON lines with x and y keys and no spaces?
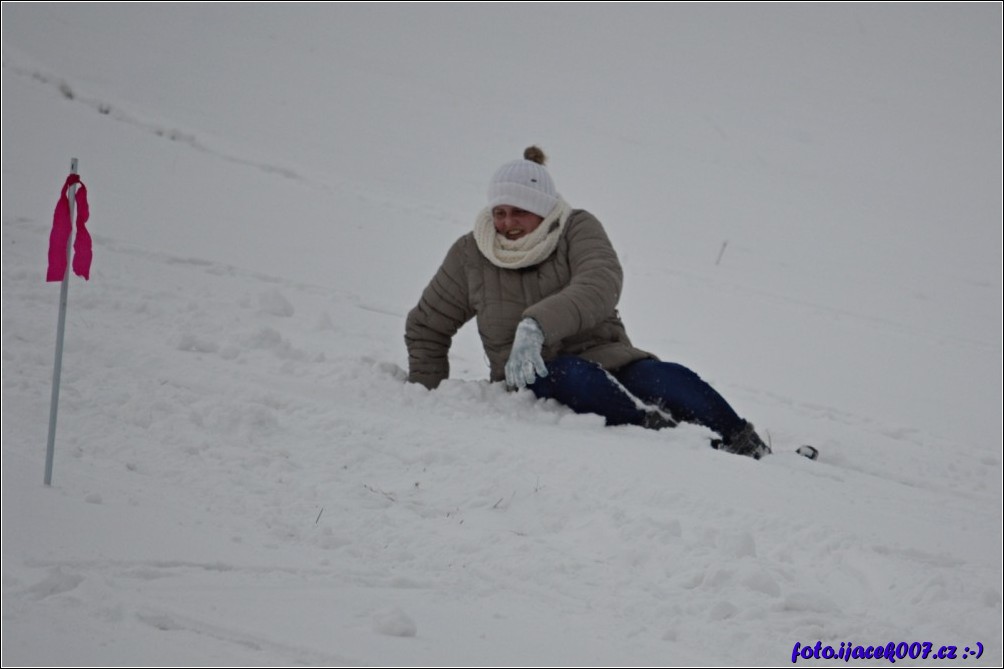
{"x":513,"y":222}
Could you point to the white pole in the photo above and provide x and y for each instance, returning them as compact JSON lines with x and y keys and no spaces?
{"x":60,"y":328}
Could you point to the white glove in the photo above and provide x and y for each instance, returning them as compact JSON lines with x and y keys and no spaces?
{"x":525,"y":363}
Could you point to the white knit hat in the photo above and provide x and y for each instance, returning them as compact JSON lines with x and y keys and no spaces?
{"x":524,"y":184}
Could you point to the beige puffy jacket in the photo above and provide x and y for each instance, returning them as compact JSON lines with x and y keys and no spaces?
{"x":572,"y":294}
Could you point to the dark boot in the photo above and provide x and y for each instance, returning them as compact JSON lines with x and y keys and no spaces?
{"x":744,"y":442}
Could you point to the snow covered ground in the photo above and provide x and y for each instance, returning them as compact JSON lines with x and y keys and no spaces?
{"x":807,"y":203}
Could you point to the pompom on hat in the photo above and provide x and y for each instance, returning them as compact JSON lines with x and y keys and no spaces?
{"x":525,"y":184}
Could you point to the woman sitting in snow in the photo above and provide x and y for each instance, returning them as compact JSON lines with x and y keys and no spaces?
{"x":544,"y":281}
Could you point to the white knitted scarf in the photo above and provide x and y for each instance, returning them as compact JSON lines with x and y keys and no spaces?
{"x":526,"y":251}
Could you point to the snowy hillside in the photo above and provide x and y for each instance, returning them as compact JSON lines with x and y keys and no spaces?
{"x":807,"y":204}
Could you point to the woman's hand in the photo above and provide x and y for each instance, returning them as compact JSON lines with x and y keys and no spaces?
{"x":525,"y":363}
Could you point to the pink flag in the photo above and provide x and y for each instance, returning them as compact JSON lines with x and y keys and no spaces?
{"x":62,"y":227}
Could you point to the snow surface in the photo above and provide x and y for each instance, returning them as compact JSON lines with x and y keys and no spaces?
{"x":807,"y":203}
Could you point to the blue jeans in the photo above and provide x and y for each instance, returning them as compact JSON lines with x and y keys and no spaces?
{"x":585,"y":387}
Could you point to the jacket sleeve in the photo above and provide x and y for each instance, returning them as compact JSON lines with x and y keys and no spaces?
{"x":443,"y":308}
{"x":592,"y":294}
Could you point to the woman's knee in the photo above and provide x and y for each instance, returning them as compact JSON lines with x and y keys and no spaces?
{"x":569,"y":376}
{"x":566,"y":374}
{"x":586,"y":387}
{"x":654,"y":375}
{"x":573,"y":368}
